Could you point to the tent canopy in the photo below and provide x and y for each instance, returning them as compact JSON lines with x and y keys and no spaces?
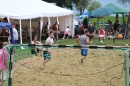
{"x":85,"y":14}
{"x":5,"y":25}
{"x":118,"y":10}
{"x":29,"y":9}
{"x":102,"y":11}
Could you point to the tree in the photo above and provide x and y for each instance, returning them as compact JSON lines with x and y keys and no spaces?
{"x":63,"y":3}
{"x":124,"y":1}
{"x":82,"y":4}
{"x":94,"y":5}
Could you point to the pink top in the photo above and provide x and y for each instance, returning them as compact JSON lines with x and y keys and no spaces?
{"x":5,"y":58}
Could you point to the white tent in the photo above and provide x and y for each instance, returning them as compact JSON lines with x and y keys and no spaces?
{"x":30,"y":9}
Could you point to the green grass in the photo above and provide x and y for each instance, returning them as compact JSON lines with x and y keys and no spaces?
{"x":118,"y":42}
{"x":106,"y":18}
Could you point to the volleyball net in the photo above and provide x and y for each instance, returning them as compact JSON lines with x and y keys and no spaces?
{"x":103,"y":66}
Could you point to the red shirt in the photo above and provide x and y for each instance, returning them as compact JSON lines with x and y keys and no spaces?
{"x":55,"y":28}
{"x":101,"y":32}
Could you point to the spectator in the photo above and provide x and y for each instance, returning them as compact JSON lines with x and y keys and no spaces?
{"x":92,"y":31}
{"x":1,"y":31}
{"x":108,"y":28}
{"x":101,"y":34}
{"x":85,"y":22}
{"x":3,"y":51}
{"x":45,"y":29}
{"x":37,"y":49}
{"x":56,"y":28}
{"x":116,"y":27}
{"x":67,"y":32}
{"x":128,"y":23}
{"x":15,"y":35}
{"x":4,"y":32}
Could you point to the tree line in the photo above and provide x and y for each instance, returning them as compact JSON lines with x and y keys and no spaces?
{"x":81,"y":5}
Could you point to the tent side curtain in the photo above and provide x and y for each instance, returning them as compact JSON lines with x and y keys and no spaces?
{"x":5,"y":25}
{"x":29,"y":9}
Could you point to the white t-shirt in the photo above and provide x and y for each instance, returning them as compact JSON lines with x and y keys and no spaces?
{"x":15,"y":34}
{"x":50,"y":41}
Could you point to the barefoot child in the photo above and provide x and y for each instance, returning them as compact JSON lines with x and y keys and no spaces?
{"x":84,"y":40}
{"x":46,"y":51}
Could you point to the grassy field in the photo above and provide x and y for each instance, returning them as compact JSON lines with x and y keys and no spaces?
{"x":118,"y":42}
{"x":106,"y":18}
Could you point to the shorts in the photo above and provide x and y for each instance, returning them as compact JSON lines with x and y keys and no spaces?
{"x":46,"y":55}
{"x":4,"y":75}
{"x":34,"y":52}
{"x":84,"y":52}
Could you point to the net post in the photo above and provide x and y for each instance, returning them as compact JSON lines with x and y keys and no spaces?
{"x":10,"y":67}
{"x":127,"y":65}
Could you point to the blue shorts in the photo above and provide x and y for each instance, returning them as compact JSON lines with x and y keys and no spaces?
{"x":84,"y":52}
{"x":13,"y":42}
{"x":46,"y":55}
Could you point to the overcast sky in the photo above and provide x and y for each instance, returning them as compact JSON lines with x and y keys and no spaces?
{"x":105,"y":2}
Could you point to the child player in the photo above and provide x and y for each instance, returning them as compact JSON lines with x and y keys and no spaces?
{"x":84,"y":40}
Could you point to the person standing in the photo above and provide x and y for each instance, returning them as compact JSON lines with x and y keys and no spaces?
{"x":47,"y":51}
{"x":14,"y":33}
{"x":3,"y":51}
{"x":84,"y":40}
{"x":85,"y":22}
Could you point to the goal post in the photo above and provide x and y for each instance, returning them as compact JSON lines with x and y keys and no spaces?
{"x":24,"y":51}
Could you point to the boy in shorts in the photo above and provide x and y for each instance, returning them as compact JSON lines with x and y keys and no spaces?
{"x":46,"y":51}
{"x":84,"y":40}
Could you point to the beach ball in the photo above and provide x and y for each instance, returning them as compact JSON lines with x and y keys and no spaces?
{"x":120,"y":36}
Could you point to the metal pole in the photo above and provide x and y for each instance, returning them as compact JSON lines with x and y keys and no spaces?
{"x":30,"y":30}
{"x":10,"y":67}
{"x":2,"y":67}
{"x":20,"y":31}
{"x":57,"y":27}
{"x":41,"y":25}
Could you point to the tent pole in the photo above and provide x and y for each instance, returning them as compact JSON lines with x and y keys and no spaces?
{"x":30,"y":30}
{"x":8,"y":19}
{"x":123,"y":18}
{"x":49,"y":24}
{"x":65,"y":27}
{"x":20,"y":31}
{"x":57,"y":27}
{"x":97,"y":21}
{"x":73,"y":30}
{"x":41,"y":25}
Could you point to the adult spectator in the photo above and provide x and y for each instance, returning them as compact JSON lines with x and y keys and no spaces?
{"x":14,"y":33}
{"x":56,"y":28}
{"x":128,"y":23}
{"x":36,"y":49}
{"x":108,"y":28}
{"x":85,"y":22}
{"x":1,"y":31}
{"x":116,"y":27}
{"x":92,"y":31}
